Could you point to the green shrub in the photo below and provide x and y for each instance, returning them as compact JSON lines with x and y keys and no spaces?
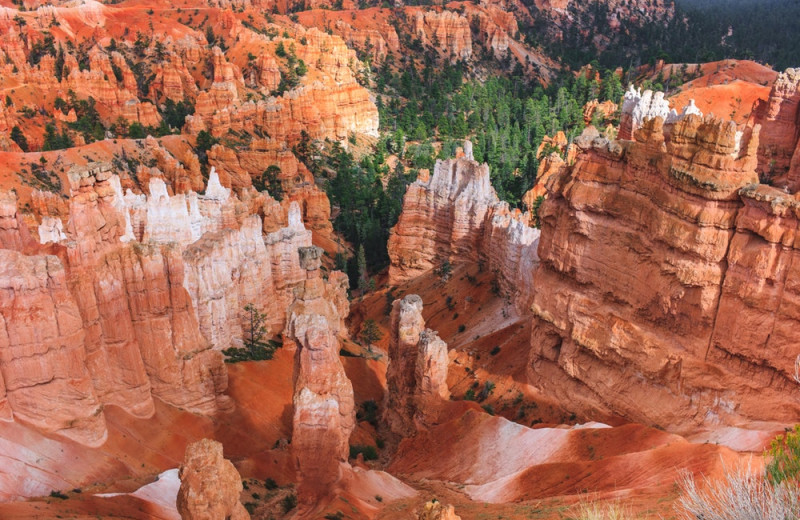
{"x":784,"y":457}
{"x":368,"y":412}
{"x":368,"y":452}
{"x":289,"y":502}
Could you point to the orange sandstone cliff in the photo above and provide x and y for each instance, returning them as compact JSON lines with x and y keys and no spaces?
{"x":210,"y":485}
{"x":652,"y":299}
{"x":455,"y":214}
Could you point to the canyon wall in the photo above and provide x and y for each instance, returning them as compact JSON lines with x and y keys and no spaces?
{"x":779,"y":118}
{"x":133,"y":297}
{"x":661,"y":285}
{"x":663,"y":291}
{"x":455,"y":215}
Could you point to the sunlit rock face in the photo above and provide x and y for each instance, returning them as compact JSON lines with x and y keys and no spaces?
{"x":416,"y":377}
{"x":139,"y":293}
{"x":663,"y":288}
{"x":455,"y":215}
{"x":324,"y":408}
{"x":210,"y":484}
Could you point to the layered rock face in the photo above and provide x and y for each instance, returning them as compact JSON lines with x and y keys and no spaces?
{"x":139,"y":296}
{"x":331,"y":107}
{"x":210,"y":485}
{"x":324,"y":409}
{"x":447,"y":31}
{"x":659,"y":292}
{"x":779,"y":147}
{"x":455,"y":215}
{"x":113,"y":325}
{"x":44,"y":379}
{"x":416,"y":377}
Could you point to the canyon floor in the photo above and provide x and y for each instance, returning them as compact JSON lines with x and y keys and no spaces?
{"x":530,"y":457}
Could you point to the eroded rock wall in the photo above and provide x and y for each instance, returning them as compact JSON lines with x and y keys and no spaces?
{"x":133,"y":298}
{"x":455,"y":215}
{"x":659,"y":289}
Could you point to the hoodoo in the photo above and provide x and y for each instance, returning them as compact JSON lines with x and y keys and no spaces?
{"x":324,"y":411}
{"x":416,"y":377}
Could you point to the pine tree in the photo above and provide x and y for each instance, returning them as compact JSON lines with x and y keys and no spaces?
{"x":370,"y":333}
{"x":361,"y":260}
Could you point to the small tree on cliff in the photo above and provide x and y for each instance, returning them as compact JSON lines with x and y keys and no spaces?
{"x":256,"y":346}
{"x":535,"y":210}
{"x":370,"y":333}
{"x":256,"y":328}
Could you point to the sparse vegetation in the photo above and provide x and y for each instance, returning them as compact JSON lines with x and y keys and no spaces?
{"x":256,"y":346}
{"x":597,"y":511}
{"x":444,"y":271}
{"x":368,"y":452}
{"x":370,"y":333}
{"x":741,"y":495}
{"x":289,"y":502}
{"x":784,"y":458}
{"x":368,"y":412}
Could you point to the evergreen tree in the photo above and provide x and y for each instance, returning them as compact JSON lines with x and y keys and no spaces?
{"x":18,"y":137}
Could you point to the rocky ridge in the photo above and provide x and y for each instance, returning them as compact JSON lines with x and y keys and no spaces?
{"x":139,"y":293}
{"x":680,"y":207}
{"x":455,"y":214}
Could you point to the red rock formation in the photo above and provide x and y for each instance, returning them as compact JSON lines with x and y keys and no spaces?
{"x":225,"y":271}
{"x":646,"y":257}
{"x":118,"y":312}
{"x":443,"y":218}
{"x":210,"y":485}
{"x":14,"y":233}
{"x":548,"y":167}
{"x":455,"y":215}
{"x":435,"y":510}
{"x":637,"y":107}
{"x":282,"y":246}
{"x":448,"y":32}
{"x":604,"y":110}
{"x":238,"y":168}
{"x":416,"y":377}
{"x":324,"y":414}
{"x":42,"y":355}
{"x":778,"y":117}
{"x":333,"y":106}
{"x":139,"y":289}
